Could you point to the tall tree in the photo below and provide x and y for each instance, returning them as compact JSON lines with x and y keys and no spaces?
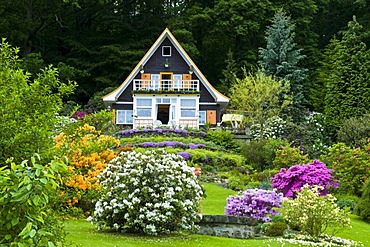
{"x":261,"y":96}
{"x":347,"y":77}
{"x":281,"y":59}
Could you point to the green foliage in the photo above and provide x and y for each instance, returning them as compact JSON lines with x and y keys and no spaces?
{"x":224,"y":139}
{"x":363,"y":206}
{"x":260,"y":154}
{"x":27,"y":203}
{"x":276,"y":229}
{"x":355,"y":131}
{"x":347,"y":68}
{"x":260,"y":95}
{"x":314,"y":214}
{"x":348,"y":201}
{"x":28,"y":108}
{"x":351,"y":167}
{"x":281,"y":58}
{"x":288,"y":156}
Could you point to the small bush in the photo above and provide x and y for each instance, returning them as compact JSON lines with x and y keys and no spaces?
{"x":348,"y":201}
{"x":27,"y":203}
{"x":363,"y":206}
{"x":313,"y":213}
{"x":292,"y":180}
{"x":288,"y":156}
{"x":255,"y":203}
{"x":151,"y":192}
{"x":355,"y":131}
{"x":276,"y":229}
{"x":224,"y":139}
{"x":350,"y":165}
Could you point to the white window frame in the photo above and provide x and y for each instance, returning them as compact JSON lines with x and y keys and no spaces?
{"x":126,"y":115}
{"x":187,"y":108}
{"x":163,"y":48}
{"x":155,"y":78}
{"x":144,"y":107}
{"x":202,"y":117}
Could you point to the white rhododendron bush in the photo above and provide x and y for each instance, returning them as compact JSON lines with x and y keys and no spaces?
{"x":152,"y":192}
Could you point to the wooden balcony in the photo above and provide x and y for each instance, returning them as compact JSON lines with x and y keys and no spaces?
{"x":167,"y":85}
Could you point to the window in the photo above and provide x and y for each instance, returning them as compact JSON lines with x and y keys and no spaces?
{"x":144,"y":107}
{"x":202,"y":117}
{"x":155,"y":81}
{"x":177,"y":79}
{"x":188,"y":107}
{"x":124,"y":117}
{"x":166,"y":51}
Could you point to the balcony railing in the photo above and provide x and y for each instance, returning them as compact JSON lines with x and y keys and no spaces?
{"x":167,"y":85}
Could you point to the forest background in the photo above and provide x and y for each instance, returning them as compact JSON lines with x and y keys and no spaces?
{"x":98,"y":42}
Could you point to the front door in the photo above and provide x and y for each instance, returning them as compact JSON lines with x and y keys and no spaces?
{"x":163,"y":113}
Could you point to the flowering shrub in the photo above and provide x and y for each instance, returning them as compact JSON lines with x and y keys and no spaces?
{"x":313,"y":213}
{"x":350,"y":165}
{"x":299,"y":239}
{"x":256,"y":203}
{"x":174,"y":144}
{"x":153,"y":192}
{"x":274,"y":127}
{"x":88,"y":153}
{"x":166,"y":132}
{"x":293,"y":179}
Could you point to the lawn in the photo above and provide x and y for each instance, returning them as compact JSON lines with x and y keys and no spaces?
{"x":82,"y":233}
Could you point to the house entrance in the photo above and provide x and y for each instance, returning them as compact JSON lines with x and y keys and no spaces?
{"x":163,"y":113}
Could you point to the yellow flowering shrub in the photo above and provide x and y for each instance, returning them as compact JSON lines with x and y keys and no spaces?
{"x":88,"y":152}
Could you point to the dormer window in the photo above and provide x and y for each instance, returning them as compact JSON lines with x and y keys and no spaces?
{"x":166,"y":51}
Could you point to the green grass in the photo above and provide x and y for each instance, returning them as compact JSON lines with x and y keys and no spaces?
{"x":81,"y":233}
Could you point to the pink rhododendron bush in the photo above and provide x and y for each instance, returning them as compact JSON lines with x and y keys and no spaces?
{"x":292,"y":180}
{"x":255,"y":203}
{"x":151,"y":192}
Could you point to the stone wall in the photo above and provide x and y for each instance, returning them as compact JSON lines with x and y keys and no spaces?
{"x":228,"y":226}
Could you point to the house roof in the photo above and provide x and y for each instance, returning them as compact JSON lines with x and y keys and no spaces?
{"x":113,"y":96}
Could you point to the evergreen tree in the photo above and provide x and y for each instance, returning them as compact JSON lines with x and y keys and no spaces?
{"x":229,"y":74}
{"x":347,"y":69}
{"x":280,"y":58}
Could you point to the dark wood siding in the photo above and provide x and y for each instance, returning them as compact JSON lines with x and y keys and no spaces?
{"x":155,"y":64}
{"x":205,"y":95}
{"x":126,"y":95}
{"x":123,"y":107}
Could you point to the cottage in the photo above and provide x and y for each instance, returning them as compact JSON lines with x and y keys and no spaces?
{"x":166,"y":88}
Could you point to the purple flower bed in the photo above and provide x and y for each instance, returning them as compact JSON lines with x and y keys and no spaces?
{"x":185,"y":155}
{"x":174,"y":144}
{"x":169,"y":132}
{"x":293,"y":179}
{"x":255,"y":203}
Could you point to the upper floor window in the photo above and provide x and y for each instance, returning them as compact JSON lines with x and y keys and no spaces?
{"x":166,"y":51}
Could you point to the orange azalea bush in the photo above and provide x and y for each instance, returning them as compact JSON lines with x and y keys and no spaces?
{"x":88,"y":152}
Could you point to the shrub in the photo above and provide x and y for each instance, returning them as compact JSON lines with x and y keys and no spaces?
{"x":274,"y":128}
{"x":255,"y":203}
{"x":288,"y":156}
{"x":363,"y":206}
{"x":88,"y":153}
{"x":351,"y":167}
{"x":292,"y":180}
{"x":276,"y":229}
{"x":26,"y":205}
{"x":152,"y":192}
{"x":314,"y":213}
{"x":224,"y":139}
{"x":355,"y":131}
{"x":160,"y":132}
{"x":348,"y":201}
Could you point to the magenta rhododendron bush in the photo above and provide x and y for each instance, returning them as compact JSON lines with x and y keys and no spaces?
{"x":293,"y":179}
{"x":255,"y":203}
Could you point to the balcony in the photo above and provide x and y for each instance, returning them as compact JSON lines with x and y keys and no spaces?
{"x":184,"y":86}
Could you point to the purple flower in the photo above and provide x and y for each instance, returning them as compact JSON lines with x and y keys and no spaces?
{"x":185,"y":155}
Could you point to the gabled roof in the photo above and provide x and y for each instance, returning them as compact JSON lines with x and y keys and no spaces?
{"x":113,"y":96}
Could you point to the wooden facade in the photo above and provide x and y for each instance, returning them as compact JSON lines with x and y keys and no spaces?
{"x":166,"y":88}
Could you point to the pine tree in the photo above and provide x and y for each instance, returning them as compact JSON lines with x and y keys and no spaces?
{"x":229,"y":74}
{"x":280,"y":58}
{"x":347,"y":67}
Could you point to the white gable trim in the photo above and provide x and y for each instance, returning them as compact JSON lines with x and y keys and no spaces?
{"x":113,"y":96}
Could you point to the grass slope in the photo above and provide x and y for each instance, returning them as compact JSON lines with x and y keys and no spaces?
{"x":81,"y":233}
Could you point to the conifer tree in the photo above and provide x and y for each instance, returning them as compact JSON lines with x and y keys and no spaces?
{"x":281,"y":59}
{"x":229,"y":74}
{"x":347,"y":69}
